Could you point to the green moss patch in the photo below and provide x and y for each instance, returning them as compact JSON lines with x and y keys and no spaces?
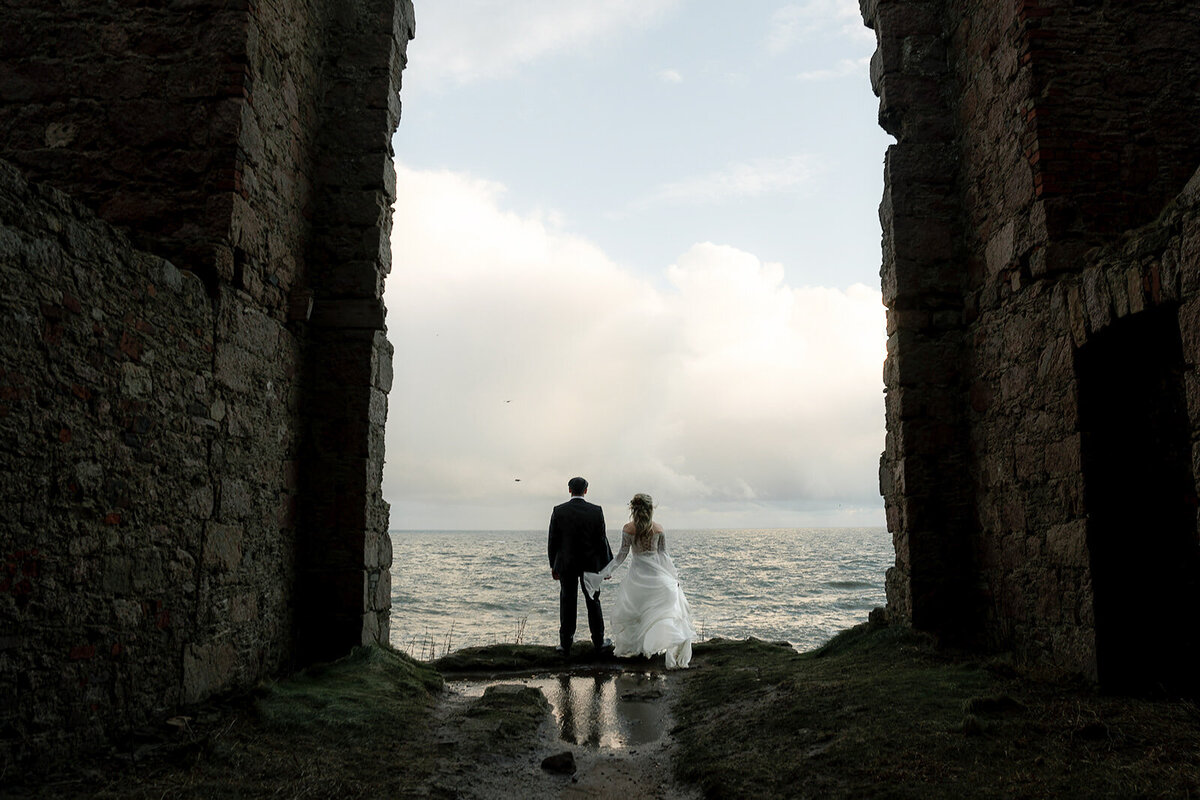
{"x":372,"y":689}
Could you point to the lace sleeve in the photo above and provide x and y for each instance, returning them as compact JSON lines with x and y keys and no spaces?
{"x":626,"y":540}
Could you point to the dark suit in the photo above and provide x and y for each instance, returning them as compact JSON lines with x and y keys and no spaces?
{"x":578,"y":543}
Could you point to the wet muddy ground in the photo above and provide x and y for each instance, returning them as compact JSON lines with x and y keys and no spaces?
{"x":614,"y":724}
{"x":598,"y":708}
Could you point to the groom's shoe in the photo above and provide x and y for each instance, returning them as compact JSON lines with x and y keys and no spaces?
{"x":605,"y":648}
{"x":565,"y":652}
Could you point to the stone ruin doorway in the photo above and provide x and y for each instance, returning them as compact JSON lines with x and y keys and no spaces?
{"x":1141,"y":504}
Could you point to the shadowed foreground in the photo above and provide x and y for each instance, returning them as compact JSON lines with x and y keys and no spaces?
{"x":882,"y":713}
{"x":875,"y":713}
{"x":353,"y":728}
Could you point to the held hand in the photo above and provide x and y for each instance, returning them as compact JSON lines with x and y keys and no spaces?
{"x":608,"y":577}
{"x":554,"y":573}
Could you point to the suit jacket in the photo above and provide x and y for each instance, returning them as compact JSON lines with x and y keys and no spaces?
{"x":578,"y":541}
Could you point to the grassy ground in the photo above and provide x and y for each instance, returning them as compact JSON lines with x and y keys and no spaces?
{"x":354,"y":728}
{"x":881,"y":713}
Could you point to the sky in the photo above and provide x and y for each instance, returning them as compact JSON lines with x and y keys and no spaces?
{"x":637,"y":241}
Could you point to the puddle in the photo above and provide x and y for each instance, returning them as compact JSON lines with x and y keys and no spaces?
{"x":616,"y":710}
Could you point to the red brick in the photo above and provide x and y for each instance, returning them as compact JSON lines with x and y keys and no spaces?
{"x":82,"y":652}
{"x":52,"y":334}
{"x":131,"y":346}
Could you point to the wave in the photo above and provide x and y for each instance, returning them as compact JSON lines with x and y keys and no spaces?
{"x":801,"y":586}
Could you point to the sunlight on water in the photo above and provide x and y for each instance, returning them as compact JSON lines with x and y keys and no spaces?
{"x":461,"y":589}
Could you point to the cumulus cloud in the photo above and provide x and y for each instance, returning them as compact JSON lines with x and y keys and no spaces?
{"x":526,"y":355}
{"x":796,"y":23}
{"x":670,"y":76}
{"x":755,"y":178}
{"x":472,"y":40}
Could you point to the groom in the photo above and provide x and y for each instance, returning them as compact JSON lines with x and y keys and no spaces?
{"x":578,"y":543}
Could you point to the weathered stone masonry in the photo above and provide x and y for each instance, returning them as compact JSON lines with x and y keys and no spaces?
{"x":1042,"y":276}
{"x":193,"y":377}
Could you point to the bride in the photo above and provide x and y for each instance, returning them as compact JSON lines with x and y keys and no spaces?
{"x":650,"y":614}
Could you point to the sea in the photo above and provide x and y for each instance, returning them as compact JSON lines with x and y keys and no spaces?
{"x":457,"y":589}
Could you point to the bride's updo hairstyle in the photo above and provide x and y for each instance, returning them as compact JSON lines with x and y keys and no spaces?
{"x":642,"y":508}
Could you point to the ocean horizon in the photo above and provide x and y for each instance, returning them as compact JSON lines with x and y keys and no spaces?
{"x":617,"y":531}
{"x":453,"y":589}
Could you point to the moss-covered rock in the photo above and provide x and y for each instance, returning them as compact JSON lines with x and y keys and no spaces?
{"x":507,"y":716}
{"x":372,"y":687}
{"x":516,"y":658}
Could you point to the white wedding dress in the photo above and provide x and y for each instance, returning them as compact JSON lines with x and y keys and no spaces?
{"x":650,"y":614}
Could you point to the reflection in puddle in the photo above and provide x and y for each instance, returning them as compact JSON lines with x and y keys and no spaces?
{"x":598,"y":709}
{"x":606,"y":710}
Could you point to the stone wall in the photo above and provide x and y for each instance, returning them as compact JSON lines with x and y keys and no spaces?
{"x":108,"y":389}
{"x":923,"y":469}
{"x":194,"y":388}
{"x":347,"y":553}
{"x":1050,"y":211}
{"x":107,"y":99}
{"x":147,"y":454}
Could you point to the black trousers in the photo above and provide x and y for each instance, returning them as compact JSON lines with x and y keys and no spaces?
{"x":569,"y":588}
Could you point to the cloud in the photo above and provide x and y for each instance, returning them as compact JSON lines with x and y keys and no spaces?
{"x":846,"y":67}
{"x":473,"y":40}
{"x":796,"y":23}
{"x":670,"y":76}
{"x":755,"y":178}
{"x":525,"y":352}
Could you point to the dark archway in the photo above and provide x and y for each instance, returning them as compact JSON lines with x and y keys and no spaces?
{"x":1142,"y":520}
